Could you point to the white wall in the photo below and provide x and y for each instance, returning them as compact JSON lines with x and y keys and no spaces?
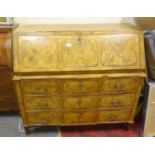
{"x":48,"y":20}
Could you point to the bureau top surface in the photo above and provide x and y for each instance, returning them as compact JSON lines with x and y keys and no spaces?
{"x":79,"y":27}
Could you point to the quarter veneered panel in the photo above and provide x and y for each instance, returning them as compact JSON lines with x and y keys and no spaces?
{"x":120,"y":84}
{"x":71,"y":86}
{"x":42,"y":103}
{"x":115,"y":101}
{"x":115,"y":115}
{"x":78,"y":51}
{"x":37,"y":53}
{"x":44,"y":118}
{"x":79,"y":102}
{"x":120,"y":51}
{"x":39,"y":87}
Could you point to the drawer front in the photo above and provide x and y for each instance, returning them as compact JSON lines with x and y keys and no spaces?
{"x":42,"y":103}
{"x":5,"y":76}
{"x":39,"y":87}
{"x":79,"y":102}
{"x":7,"y":103}
{"x":44,"y":118}
{"x":82,"y":86}
{"x":119,"y":115}
{"x":78,"y":51}
{"x":79,"y":117}
{"x":6,"y":90}
{"x":127,"y":85}
{"x":114,"y":101}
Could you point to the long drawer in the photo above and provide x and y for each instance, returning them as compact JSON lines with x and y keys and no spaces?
{"x":80,"y":86}
{"x":76,"y":117}
{"x":79,"y":102}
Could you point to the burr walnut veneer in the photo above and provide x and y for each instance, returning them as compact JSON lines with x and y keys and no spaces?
{"x":78,"y":74}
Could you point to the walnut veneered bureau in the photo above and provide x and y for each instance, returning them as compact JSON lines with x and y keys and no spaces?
{"x":7,"y":94}
{"x":78,"y":74}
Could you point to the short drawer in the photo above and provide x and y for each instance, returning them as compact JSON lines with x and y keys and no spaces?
{"x":79,"y":86}
{"x":114,"y":115}
{"x":120,"y":84}
{"x":42,"y":103}
{"x":119,"y":100}
{"x":44,"y":118}
{"x":6,"y":90}
{"x":79,"y":102}
{"x":39,"y":87}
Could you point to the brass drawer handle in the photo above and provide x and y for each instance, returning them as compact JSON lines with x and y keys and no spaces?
{"x":115,"y":103}
{"x":44,"y":119}
{"x":152,"y":102}
{"x":79,"y":101}
{"x":118,"y":87}
{"x":41,"y":90}
{"x":42,"y":105}
{"x":112,"y":118}
{"x":81,"y":85}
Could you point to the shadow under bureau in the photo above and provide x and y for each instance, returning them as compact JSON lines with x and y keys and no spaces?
{"x":78,"y":74}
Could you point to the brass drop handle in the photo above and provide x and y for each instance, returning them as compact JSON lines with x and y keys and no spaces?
{"x":118,"y":87}
{"x":41,"y":90}
{"x":81,"y":84}
{"x":112,"y":118}
{"x":45,"y":119}
{"x":115,"y":103}
{"x":43,"y":104}
{"x":79,"y":39}
{"x":79,"y":101}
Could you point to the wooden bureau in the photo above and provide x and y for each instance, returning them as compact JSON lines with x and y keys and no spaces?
{"x":78,"y":74}
{"x":7,"y":94}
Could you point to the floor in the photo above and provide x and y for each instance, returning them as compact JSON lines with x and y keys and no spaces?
{"x":11,"y":126}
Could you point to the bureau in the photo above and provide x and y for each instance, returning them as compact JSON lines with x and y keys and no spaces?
{"x":7,"y":94}
{"x":78,"y":74}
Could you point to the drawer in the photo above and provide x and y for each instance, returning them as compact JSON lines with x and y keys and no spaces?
{"x":119,"y":115}
{"x":45,"y":118}
{"x":84,"y":102}
{"x":7,"y":103}
{"x":6,"y":90}
{"x":5,"y":76}
{"x":119,"y":100}
{"x":119,"y":84}
{"x":79,"y":117}
{"x":80,"y":86}
{"x":39,"y":87}
{"x":42,"y":103}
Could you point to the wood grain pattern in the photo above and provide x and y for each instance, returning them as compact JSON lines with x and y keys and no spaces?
{"x":78,"y":75}
{"x":8,"y":100}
